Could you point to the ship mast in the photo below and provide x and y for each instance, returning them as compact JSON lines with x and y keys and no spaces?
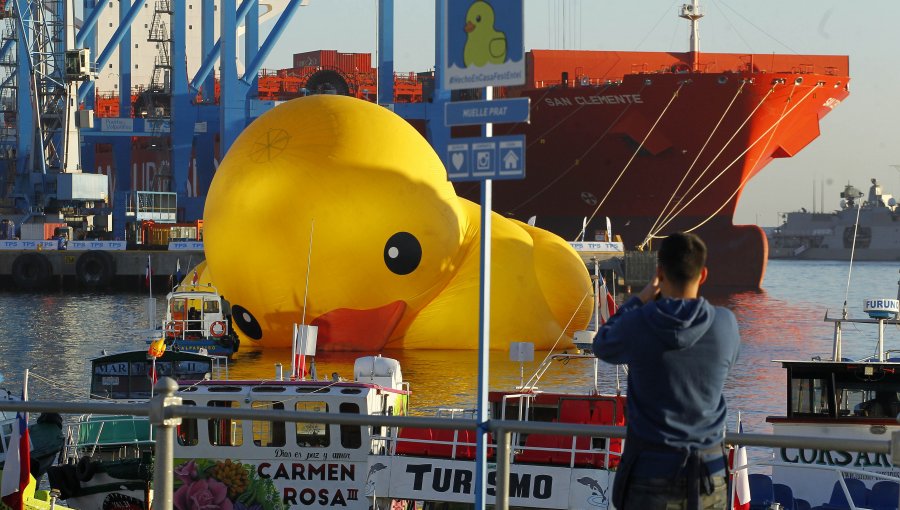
{"x":693,"y":13}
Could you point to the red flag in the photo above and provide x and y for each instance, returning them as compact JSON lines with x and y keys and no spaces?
{"x":17,"y":469}
{"x":607,"y":303}
{"x":196,"y":278}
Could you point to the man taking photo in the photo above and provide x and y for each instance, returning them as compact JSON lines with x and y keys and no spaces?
{"x":679,"y":349}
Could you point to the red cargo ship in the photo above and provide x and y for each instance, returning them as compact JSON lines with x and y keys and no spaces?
{"x":654,"y":141}
{"x":660,"y":142}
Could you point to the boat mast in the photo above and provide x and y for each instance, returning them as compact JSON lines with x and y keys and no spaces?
{"x":693,"y":13}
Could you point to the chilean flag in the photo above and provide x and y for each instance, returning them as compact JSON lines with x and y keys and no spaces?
{"x":17,"y":469}
{"x":741,"y":480}
{"x":607,"y":302}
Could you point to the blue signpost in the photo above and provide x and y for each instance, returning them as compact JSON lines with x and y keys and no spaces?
{"x":500,"y":111}
{"x":482,"y":46}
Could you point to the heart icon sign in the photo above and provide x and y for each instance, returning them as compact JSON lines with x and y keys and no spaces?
{"x":458,"y":159}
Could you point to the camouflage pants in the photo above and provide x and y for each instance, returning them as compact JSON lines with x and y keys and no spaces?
{"x":663,"y":494}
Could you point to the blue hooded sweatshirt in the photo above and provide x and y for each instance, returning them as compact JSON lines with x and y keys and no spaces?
{"x":678,"y":352}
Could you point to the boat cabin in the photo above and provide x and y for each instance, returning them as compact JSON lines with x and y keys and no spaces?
{"x":296,"y":463}
{"x":193,"y":311}
{"x":843,"y":392}
{"x":199,"y":318}
{"x":130,"y":375}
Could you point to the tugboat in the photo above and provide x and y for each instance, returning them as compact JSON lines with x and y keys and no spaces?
{"x":198,"y":319}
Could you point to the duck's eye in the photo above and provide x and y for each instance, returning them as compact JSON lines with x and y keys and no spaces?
{"x":246,"y":321}
{"x":478,"y":19}
{"x":402,"y":253}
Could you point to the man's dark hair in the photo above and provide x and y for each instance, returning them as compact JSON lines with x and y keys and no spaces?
{"x":682,"y":256}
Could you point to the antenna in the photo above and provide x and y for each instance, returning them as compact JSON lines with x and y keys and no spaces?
{"x":312,"y":226}
{"x":852,"y":252}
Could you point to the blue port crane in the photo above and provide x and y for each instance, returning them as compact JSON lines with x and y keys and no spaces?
{"x":42,"y":104}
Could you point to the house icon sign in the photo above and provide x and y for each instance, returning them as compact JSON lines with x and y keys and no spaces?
{"x":510,"y":160}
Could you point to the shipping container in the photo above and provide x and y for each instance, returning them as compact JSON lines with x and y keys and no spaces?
{"x":83,"y":186}
{"x":39,"y":231}
{"x":151,"y":233}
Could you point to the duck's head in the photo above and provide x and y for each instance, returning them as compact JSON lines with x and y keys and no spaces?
{"x":335,"y":212}
{"x":480,"y":14}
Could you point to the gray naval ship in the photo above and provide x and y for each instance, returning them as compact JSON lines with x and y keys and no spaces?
{"x":829,"y":236}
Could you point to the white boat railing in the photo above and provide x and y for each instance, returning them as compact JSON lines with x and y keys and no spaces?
{"x":165,"y":412}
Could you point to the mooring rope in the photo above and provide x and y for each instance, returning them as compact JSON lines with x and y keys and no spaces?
{"x":741,"y":155}
{"x":634,"y":155}
{"x":663,"y":214}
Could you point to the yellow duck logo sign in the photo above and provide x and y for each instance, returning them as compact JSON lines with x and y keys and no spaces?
{"x":483,"y":44}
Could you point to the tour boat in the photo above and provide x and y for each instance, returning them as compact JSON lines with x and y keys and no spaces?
{"x":107,"y":462}
{"x":311,"y":465}
{"x":839,"y":398}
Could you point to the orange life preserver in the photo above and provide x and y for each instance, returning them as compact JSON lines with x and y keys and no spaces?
{"x":217,"y":329}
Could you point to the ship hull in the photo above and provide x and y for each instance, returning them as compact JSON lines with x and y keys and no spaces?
{"x":662,"y":152}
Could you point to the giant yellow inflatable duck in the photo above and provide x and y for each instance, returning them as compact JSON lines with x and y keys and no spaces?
{"x":393,"y":252}
{"x":484,"y":45}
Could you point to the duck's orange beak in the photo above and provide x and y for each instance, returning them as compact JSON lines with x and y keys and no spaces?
{"x":346,"y":329}
{"x":469,"y":26}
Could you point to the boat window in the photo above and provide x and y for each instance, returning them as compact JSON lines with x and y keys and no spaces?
{"x":351,"y":435}
{"x":224,"y":389}
{"x":268,"y":389}
{"x":268,"y":433}
{"x":210,"y":306}
{"x":311,"y":389}
{"x":312,"y":434}
{"x":110,"y":380}
{"x":351,"y":391}
{"x":225,"y":431}
{"x":867,"y":399}
{"x":809,"y":396}
{"x":187,"y":431}
{"x":193,"y":370}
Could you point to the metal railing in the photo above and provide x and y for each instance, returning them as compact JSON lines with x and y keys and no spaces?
{"x":165,"y":412}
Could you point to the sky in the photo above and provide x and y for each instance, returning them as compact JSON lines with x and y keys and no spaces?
{"x":859,"y":140}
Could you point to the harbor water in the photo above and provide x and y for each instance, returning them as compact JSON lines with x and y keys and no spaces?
{"x":54,"y":335}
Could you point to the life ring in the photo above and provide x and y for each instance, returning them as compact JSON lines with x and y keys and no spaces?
{"x":173,"y":328}
{"x":95,"y":268}
{"x":85,"y":469}
{"x":31,"y":271}
{"x":217,"y":329}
